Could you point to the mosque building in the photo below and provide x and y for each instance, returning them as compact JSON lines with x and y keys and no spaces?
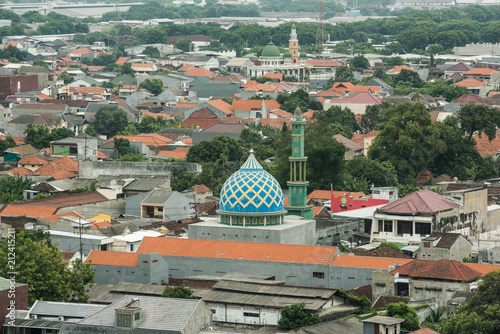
{"x":291,"y":63}
{"x":251,"y":204}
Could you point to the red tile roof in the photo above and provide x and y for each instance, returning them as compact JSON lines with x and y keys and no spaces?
{"x":149,"y":139}
{"x":278,"y":76}
{"x":444,"y":269}
{"x":327,"y":194}
{"x":425,"y":330}
{"x":480,"y":71}
{"x":324,"y":63}
{"x":460,"y":67}
{"x":200,"y":72}
{"x":222,"y":106}
{"x":486,"y":147}
{"x":483,"y":268}
{"x":80,"y":52}
{"x":247,"y":105}
{"x":54,"y":167}
{"x":490,"y":94}
{"x":59,"y":215}
{"x":274,"y":122}
{"x":370,"y":262}
{"x":388,"y":252}
{"x":419,"y":202}
{"x":185,"y":68}
{"x":470,"y":83}
{"x":34,"y":159}
{"x":360,"y":138}
{"x":263,"y":88}
{"x":235,"y":250}
{"x":121,"y":60}
{"x":179,"y":154}
{"x":200,"y":188}
{"x":107,"y":258}
{"x":88,"y":90}
{"x":141,"y":65}
{"x":19,"y":171}
{"x":473,"y":98}
{"x":186,"y":105}
{"x":342,"y":86}
{"x":397,"y":69}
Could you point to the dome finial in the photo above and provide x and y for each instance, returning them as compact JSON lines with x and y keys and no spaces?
{"x":298,"y":112}
{"x":251,"y":151}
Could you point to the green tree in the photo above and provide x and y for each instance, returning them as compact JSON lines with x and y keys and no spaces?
{"x":373,"y":116}
{"x":151,"y":51}
{"x":109,"y":121}
{"x":403,"y":311}
{"x":184,"y":44}
{"x":40,"y":62}
{"x":154,"y":86}
{"x":407,"y":76}
{"x":127,"y":69}
{"x":136,"y":157}
{"x":12,"y":188}
{"x":66,"y":78}
{"x":178,"y":292}
{"x":343,"y":74}
{"x":391,"y":245}
{"x":380,"y":174}
{"x":40,"y":136}
{"x":340,"y":120}
{"x":40,"y":264}
{"x":481,"y":313}
{"x":409,"y":140}
{"x":360,"y":63}
{"x":6,"y":143}
{"x":294,"y":316}
{"x":479,"y":118}
{"x":122,"y":146}
{"x":218,"y":147}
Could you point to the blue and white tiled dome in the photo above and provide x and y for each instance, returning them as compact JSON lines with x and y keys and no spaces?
{"x":251,"y":190}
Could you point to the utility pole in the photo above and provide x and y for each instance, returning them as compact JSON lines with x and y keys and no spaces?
{"x":321,"y":31}
{"x":81,"y":250}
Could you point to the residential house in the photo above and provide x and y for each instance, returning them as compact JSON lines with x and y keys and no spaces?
{"x":33,"y":162}
{"x":32,"y":108}
{"x":382,"y":324}
{"x":81,"y":147}
{"x":207,"y":62}
{"x":397,"y":69}
{"x":253,"y":108}
{"x":167,"y":205}
{"x":16,"y":153}
{"x":76,"y":124}
{"x":41,"y":71}
{"x":17,"y":126}
{"x":352,"y":149}
{"x":365,"y":140}
{"x":418,"y":215}
{"x":197,"y":40}
{"x":146,"y":314}
{"x":227,"y":129}
{"x":12,"y":84}
{"x":144,"y":68}
{"x":261,"y":90}
{"x":202,"y":118}
{"x":78,"y":54}
{"x":483,"y":74}
{"x":261,"y":304}
{"x":199,"y":193}
{"x":459,"y":68}
{"x":475,"y":86}
{"x":384,"y":87}
{"x":146,"y":184}
{"x":454,"y":106}
{"x":357,"y":103}
{"x":426,"y":279}
{"x":238,"y":65}
{"x":202,"y":74}
{"x":445,"y":246}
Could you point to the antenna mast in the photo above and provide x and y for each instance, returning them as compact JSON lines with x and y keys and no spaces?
{"x":321,"y":32}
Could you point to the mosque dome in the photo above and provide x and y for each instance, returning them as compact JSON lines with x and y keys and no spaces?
{"x":303,"y":55}
{"x":271,"y":50}
{"x":251,"y":191}
{"x":287,"y":55}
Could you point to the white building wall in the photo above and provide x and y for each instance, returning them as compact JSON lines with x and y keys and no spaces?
{"x":244,"y":314}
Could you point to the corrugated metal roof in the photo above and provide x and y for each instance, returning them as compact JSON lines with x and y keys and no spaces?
{"x":32,"y":323}
{"x":72,"y":310}
{"x":280,"y":290}
{"x":158,"y":313}
{"x":158,"y":196}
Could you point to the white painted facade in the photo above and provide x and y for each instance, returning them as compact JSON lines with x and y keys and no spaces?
{"x":244,"y":314}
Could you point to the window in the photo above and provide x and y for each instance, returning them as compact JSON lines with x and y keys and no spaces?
{"x":387,"y":225}
{"x":296,"y":127}
{"x":427,"y":244}
{"x":250,"y":314}
{"x":318,"y":275}
{"x":296,"y":150}
{"x":422,"y":228}
{"x":296,"y":139}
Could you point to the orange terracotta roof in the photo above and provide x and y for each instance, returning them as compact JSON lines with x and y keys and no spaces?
{"x":186,"y":105}
{"x":316,"y":210}
{"x":187,"y":142}
{"x":88,"y":90}
{"x":483,"y":268}
{"x":327,"y":194}
{"x":309,"y":114}
{"x":140,"y":65}
{"x":107,"y":258}
{"x":247,"y":105}
{"x":278,"y":76}
{"x":121,"y":60}
{"x":99,"y":68}
{"x":490,"y":94}
{"x":19,"y":171}
{"x":397,"y":69}
{"x":11,"y":210}
{"x":263,"y":88}
{"x":129,"y":87}
{"x":155,"y":115}
{"x":274,"y":122}
{"x":200,"y":188}
{"x":179,"y":154}
{"x":80,"y":52}
{"x":324,"y":63}
{"x":222,"y":106}
{"x":200,"y":72}
{"x":100,"y":224}
{"x":185,"y":68}
{"x":203,"y":123}
{"x":480,"y":71}
{"x":53,"y":168}
{"x":59,"y":215}
{"x":101,"y":155}
{"x":471,"y":83}
{"x":43,"y":96}
{"x":235,"y":250}
{"x":486,"y":147}
{"x":443,"y":269}
{"x":34,"y":159}
{"x":250,"y":83}
{"x":371,"y":262}
{"x":149,"y":139}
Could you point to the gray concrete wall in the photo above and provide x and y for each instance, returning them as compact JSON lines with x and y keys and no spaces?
{"x":331,"y":235}
{"x":112,"y":207}
{"x":199,"y":320}
{"x":200,"y":136}
{"x":178,"y":207}
{"x":133,"y":204}
{"x":297,"y":233}
{"x":146,"y":272}
{"x":72,"y":243}
{"x":94,"y":169}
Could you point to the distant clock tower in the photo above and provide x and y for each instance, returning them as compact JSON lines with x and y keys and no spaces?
{"x":297,"y":186}
{"x":293,"y":46}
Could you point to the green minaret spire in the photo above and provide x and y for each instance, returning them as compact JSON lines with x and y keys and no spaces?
{"x":297,"y":186}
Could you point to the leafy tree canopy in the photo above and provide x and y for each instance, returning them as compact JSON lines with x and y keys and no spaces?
{"x":154,"y":86}
{"x":294,"y":316}
{"x":391,"y":245}
{"x":402,"y":310}
{"x":40,"y":264}
{"x":344,"y":74}
{"x":479,"y":118}
{"x":178,"y":292}
{"x":12,"y":188}
{"x":109,"y":121}
{"x":40,"y":136}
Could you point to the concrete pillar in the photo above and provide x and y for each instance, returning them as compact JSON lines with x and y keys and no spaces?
{"x":394,"y":226}
{"x":413,"y":228}
{"x":231,"y":220}
{"x":244,"y":221}
{"x":265,"y":221}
